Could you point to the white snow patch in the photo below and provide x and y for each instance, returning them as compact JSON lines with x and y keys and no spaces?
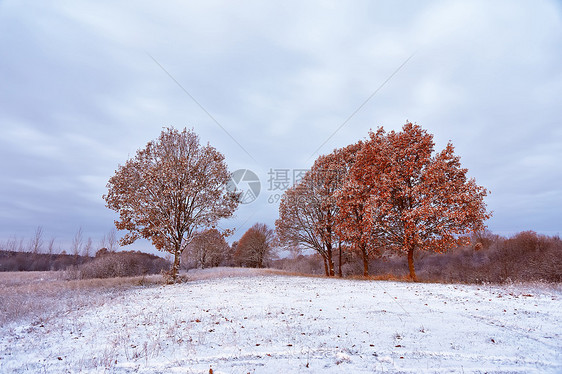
{"x":247,"y":322}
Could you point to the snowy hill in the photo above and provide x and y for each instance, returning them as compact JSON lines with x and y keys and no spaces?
{"x":238,"y":321}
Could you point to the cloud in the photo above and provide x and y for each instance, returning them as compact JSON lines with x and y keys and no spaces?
{"x":80,"y":94}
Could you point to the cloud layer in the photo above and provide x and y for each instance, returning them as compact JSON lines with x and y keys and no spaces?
{"x":80,"y":93}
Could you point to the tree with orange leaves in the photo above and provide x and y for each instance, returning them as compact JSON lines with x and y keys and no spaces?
{"x":170,"y":190}
{"x":255,"y":247}
{"x":351,"y":221}
{"x":307,"y":211}
{"x":410,"y":198}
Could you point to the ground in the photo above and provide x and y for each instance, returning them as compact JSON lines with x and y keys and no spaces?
{"x":238,"y":321}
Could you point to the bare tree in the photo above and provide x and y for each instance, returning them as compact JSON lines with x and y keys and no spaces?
{"x":207,"y":249}
{"x":112,"y":240}
{"x":102,"y":243}
{"x":21,"y":246}
{"x":11,"y":245}
{"x":51,"y":246}
{"x":170,"y":190}
{"x":77,"y":242}
{"x":36,"y":242}
{"x":87,"y":247}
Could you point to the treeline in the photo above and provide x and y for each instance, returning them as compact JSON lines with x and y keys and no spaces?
{"x":81,"y":258}
{"x":210,"y":249}
{"x":79,"y":246}
{"x":29,"y":261}
{"x":526,"y":256}
{"x":105,"y":264}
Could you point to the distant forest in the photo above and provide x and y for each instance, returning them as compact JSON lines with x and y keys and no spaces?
{"x":105,"y":264}
{"x":29,"y":261}
{"x":526,"y":256}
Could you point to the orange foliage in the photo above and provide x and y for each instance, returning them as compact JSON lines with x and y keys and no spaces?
{"x":171,"y":189}
{"x":307,"y":210}
{"x":255,"y":246}
{"x":402,"y":196}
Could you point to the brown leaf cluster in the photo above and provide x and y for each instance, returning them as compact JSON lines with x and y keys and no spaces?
{"x":171,"y":189}
{"x":391,"y":192}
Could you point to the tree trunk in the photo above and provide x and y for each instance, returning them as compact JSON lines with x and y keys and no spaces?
{"x":411,"y":264}
{"x":330,"y":261}
{"x":175,"y":267}
{"x":326,"y":266}
{"x":365,"y":256}
{"x":340,"y":274}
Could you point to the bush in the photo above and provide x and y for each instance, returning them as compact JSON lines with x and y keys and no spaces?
{"x":527,"y":256}
{"x":122,"y":264}
{"x":27,"y":261}
{"x":312,"y":264}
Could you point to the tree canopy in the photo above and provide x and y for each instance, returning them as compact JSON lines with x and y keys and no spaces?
{"x":413,"y":199}
{"x":390,"y":192}
{"x":307,"y":210}
{"x":171,"y":189}
{"x":255,"y":247}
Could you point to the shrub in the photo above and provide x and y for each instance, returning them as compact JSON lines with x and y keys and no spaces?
{"x":311,"y":264}
{"x":122,"y":264}
{"x":28,"y":261}
{"x":526,"y":256}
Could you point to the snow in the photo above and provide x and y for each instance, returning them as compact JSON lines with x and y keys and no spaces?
{"x":238,"y":321}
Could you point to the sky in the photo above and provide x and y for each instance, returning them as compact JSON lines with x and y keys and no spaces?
{"x":84,"y":85}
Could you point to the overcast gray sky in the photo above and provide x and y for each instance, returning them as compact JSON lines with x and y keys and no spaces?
{"x":83,"y":86}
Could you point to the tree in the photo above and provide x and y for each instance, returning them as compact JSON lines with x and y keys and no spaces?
{"x":36,"y":243}
{"x":255,"y":246}
{"x":351,"y":221}
{"x":87,"y":247}
{"x":111,"y":240}
{"x":77,"y":242}
{"x":207,"y":249}
{"x":51,"y":246}
{"x":413,"y":199}
{"x":307,"y":211}
{"x":171,"y":189}
{"x":329,"y":174}
{"x":298,"y":216}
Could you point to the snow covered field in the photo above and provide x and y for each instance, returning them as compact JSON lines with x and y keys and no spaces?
{"x":249,"y":322}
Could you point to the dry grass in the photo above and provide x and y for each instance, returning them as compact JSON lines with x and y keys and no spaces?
{"x":226,"y":272}
{"x":38,"y":296}
{"x":382,"y":277}
{"x":42,"y":295}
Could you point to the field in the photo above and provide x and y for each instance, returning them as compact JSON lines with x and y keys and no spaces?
{"x":251,"y":321}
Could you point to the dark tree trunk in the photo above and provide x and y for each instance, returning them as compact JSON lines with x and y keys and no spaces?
{"x":365,"y":256}
{"x":330,"y":260}
{"x":411,"y":264}
{"x":326,"y":270}
{"x":175,"y":267}
{"x":340,"y":274}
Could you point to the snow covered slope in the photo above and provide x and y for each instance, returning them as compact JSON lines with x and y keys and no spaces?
{"x":281,"y":324}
